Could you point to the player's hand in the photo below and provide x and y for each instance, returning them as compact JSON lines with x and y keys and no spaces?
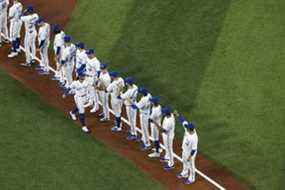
{"x":64,"y":96}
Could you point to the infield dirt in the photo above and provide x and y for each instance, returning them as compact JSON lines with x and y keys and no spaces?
{"x":59,"y":12}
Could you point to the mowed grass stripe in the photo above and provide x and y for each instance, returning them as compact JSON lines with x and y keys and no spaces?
{"x":41,"y":149}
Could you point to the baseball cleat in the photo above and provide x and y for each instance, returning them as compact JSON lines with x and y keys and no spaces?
{"x":131,"y":137}
{"x":154,"y":155}
{"x":13,"y":54}
{"x":44,"y":73}
{"x":26,"y":64}
{"x":101,"y":114}
{"x":39,"y":68}
{"x":180,"y":176}
{"x":160,"y":150}
{"x":94,"y":109}
{"x":72,"y":116}
{"x":188,"y":182}
{"x":144,"y":147}
{"x":162,"y":159}
{"x":85,"y":129}
{"x":168,"y":168}
{"x":104,"y":119}
{"x":18,"y":50}
{"x":116,"y":129}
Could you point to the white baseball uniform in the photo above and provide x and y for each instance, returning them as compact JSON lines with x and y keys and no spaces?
{"x":58,"y":46}
{"x":3,"y":18}
{"x":104,"y":81}
{"x":144,"y":107}
{"x":67,"y":61}
{"x":129,"y":98}
{"x":190,"y":143}
{"x":30,"y":35}
{"x":156,"y":116}
{"x":44,"y":41}
{"x":81,"y":58}
{"x":92,"y":68}
{"x":15,"y":13}
{"x":115,"y":88}
{"x":80,"y":97}
{"x":168,"y":124}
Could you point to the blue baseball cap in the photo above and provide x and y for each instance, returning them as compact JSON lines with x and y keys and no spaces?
{"x":30,"y":9}
{"x":80,"y":45}
{"x":154,"y":99}
{"x":56,"y":28}
{"x":129,"y":80}
{"x":142,"y":90}
{"x":90,"y":51}
{"x":103,"y":66}
{"x":113,"y":74}
{"x":190,"y":126}
{"x":40,"y":20}
{"x":166,"y":110}
{"x":67,"y":39}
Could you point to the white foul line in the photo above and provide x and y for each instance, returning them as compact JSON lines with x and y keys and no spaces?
{"x":139,"y":130}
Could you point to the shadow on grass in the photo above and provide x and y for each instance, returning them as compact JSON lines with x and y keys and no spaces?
{"x":167,"y":46}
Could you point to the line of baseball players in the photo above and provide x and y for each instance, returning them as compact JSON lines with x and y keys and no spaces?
{"x":80,"y":74}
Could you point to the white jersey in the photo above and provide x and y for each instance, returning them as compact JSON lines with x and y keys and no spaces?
{"x":3,"y":6}
{"x":104,"y":80}
{"x":168,"y":125}
{"x":68,"y":54}
{"x":30,"y":22}
{"x":92,"y":66}
{"x":190,"y":141}
{"x":81,"y":58}
{"x":144,"y":104}
{"x":58,"y":40}
{"x":130,"y":95}
{"x":116,"y":87}
{"x":44,"y":33}
{"x":156,"y":114}
{"x":79,"y":88}
{"x":15,"y":11}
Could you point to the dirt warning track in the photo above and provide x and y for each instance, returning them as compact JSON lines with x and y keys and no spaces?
{"x":58,"y":12}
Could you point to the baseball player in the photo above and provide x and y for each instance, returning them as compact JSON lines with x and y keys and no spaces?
{"x":44,"y":41}
{"x":80,"y":89}
{"x":104,"y":80}
{"x":3,"y":19}
{"x":155,"y":115}
{"x":115,"y":89}
{"x":81,"y":57}
{"x":15,"y":13}
{"x":93,"y":69}
{"x":30,"y":18}
{"x":144,"y":107}
{"x":129,"y":97}
{"x":58,"y":45}
{"x":189,"y":151}
{"x":67,"y":62}
{"x":167,"y":128}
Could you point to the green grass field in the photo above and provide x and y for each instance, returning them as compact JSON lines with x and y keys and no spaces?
{"x":220,"y":62}
{"x":43,"y":150}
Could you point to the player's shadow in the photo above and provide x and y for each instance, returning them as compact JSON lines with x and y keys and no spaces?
{"x":167,"y":46}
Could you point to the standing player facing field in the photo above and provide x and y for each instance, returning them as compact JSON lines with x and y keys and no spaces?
{"x":15,"y":13}
{"x":3,"y":18}
{"x":115,"y":89}
{"x":44,"y":41}
{"x":189,"y":151}
{"x":58,"y":45}
{"x":30,"y":20}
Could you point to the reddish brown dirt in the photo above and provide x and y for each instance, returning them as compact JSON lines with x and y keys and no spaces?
{"x":50,"y":93}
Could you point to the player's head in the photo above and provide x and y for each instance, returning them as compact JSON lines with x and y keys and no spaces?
{"x":142,"y":90}
{"x":56,"y":29}
{"x":154,"y":100}
{"x":114,"y":74}
{"x":30,"y":9}
{"x":40,"y":21}
{"x":16,"y":1}
{"x":90,"y":53}
{"x":166,"y":111}
{"x":103,"y":67}
{"x":67,"y":39}
{"x":129,"y":81}
{"x":190,"y":127}
{"x":80,"y":45}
